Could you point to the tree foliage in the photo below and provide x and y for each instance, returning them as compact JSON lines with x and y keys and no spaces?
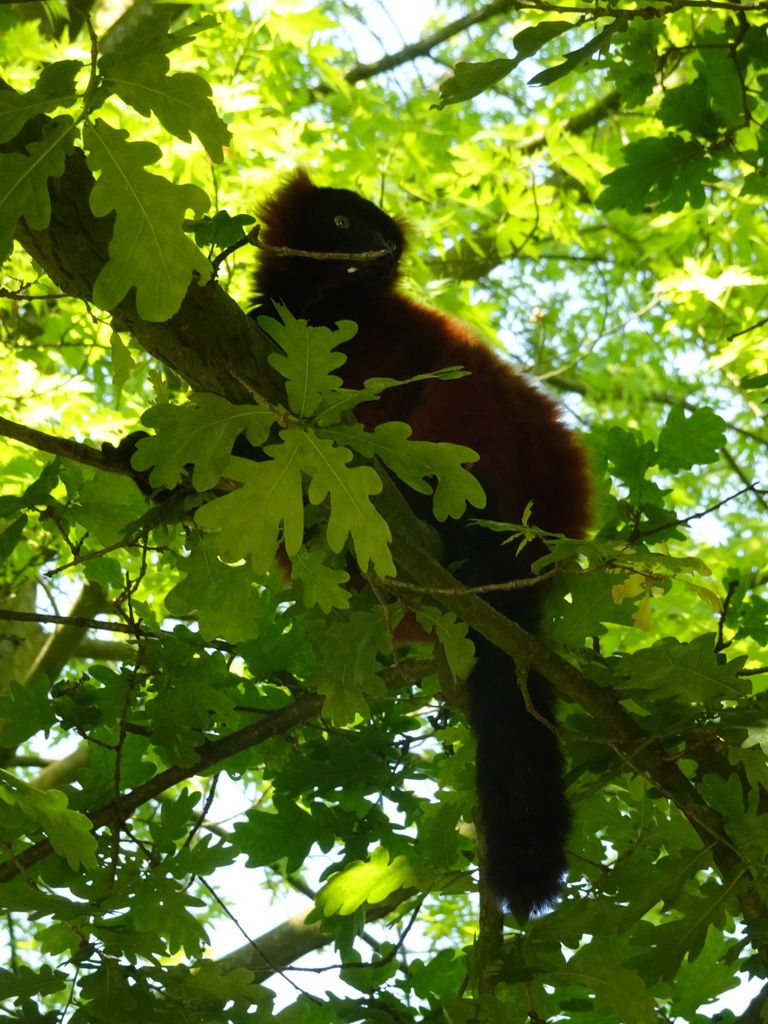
{"x":180,"y":718}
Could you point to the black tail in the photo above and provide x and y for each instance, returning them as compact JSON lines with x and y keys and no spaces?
{"x":526,"y":817}
{"x":519,"y":782}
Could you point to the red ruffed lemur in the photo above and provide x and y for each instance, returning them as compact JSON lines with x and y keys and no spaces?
{"x":526,"y":455}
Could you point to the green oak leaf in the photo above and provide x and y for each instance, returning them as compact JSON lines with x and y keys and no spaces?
{"x":577,"y":605}
{"x":163,"y":908}
{"x":224,"y":598}
{"x":365,"y":882}
{"x":185,"y":707}
{"x":416,"y":461}
{"x":308,"y":358}
{"x":149,"y":249}
{"x":321,"y":584}
{"x":68,"y":831}
{"x":181,"y":102}
{"x":201,"y":434}
{"x":349,"y":488}
{"x":222,"y":229}
{"x":24,"y":180}
{"x":267,"y":838}
{"x":26,"y":710}
{"x":23,"y":981}
{"x":686,"y":106}
{"x":122,"y":360}
{"x":55,"y":87}
{"x":687,"y":441}
{"x":212,"y":981}
{"x":452,"y":634}
{"x":268,"y":508}
{"x":667,"y":171}
{"x":691,"y":670}
{"x":685,"y":936}
{"x":628,"y":453}
{"x":612,"y":984}
{"x":107,"y":505}
{"x":348,"y":665}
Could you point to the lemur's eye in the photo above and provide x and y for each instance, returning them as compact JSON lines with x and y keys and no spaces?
{"x":341,"y":221}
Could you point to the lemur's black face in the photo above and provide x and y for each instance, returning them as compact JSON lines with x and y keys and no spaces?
{"x":334,"y":220}
{"x":326,"y":220}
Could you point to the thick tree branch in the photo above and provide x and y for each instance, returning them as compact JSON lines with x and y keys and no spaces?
{"x":210,"y":343}
{"x":423,"y":47}
{"x":274,"y":951}
{"x":646,"y":755}
{"x":61,"y":773}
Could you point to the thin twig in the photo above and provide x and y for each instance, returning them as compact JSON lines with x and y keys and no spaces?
{"x":311,"y":254}
{"x":528,"y":581}
{"x":252,"y":238}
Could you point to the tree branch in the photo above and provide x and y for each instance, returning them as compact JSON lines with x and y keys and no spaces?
{"x":210,"y":343}
{"x":646,"y":755}
{"x":424,"y":46}
{"x":76,"y":621}
{"x":274,"y":951}
{"x":63,"y":447}
{"x":209,"y":753}
{"x":754,"y":1012}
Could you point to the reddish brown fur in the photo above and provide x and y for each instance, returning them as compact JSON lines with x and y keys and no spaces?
{"x":515,"y":428}
{"x":524,"y":448}
{"x":526,"y":454}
